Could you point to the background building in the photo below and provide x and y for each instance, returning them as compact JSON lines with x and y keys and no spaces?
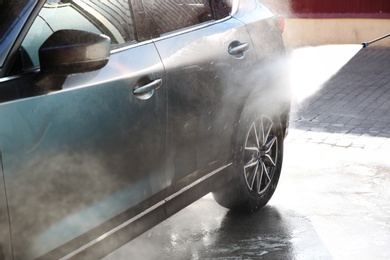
{"x":316,"y":22}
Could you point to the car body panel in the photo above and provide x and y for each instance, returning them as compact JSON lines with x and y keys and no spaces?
{"x":270,"y":70}
{"x":201,"y":77}
{"x":263,"y":24}
{"x":81,"y":153}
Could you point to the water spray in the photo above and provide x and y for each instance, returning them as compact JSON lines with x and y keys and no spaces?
{"x":365,"y":44}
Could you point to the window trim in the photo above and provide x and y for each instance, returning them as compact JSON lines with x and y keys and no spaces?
{"x":190,"y":29}
{"x":173,"y":34}
{"x":235,"y":5}
{"x":130,"y":46}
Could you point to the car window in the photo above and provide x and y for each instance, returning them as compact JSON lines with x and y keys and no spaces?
{"x":110,"y":17}
{"x":13,"y":15}
{"x":166,"y":16}
{"x":171,"y":15}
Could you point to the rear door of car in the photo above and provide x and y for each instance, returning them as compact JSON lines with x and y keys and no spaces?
{"x":205,"y":53}
{"x":78,"y":158}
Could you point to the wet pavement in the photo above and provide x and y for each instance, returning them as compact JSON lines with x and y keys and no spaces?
{"x":333,"y":198}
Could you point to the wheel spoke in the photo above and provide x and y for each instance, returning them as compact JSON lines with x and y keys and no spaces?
{"x":257,"y":137}
{"x":254,"y":173}
{"x":252,"y":140}
{"x":269,"y":145}
{"x":267,"y":159}
{"x":266,"y":129}
{"x":254,"y":149}
{"x":266,"y":173}
{"x":264,"y":180}
{"x":251,"y":163}
{"x":260,"y":178}
{"x":269,"y":151}
{"x":250,"y":170}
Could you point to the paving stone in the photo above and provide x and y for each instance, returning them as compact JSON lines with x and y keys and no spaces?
{"x":352,"y":109}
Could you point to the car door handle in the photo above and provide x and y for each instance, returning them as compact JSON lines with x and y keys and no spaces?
{"x":145,"y":89}
{"x":239,"y":49}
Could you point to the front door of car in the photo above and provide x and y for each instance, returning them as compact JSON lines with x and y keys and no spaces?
{"x":205,"y":54}
{"x":77,"y":158}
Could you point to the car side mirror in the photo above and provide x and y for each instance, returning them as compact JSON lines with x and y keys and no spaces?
{"x":68,"y":52}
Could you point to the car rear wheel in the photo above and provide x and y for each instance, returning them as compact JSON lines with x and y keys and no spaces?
{"x":257,"y":164}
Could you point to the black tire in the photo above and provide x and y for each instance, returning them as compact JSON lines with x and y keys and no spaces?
{"x":258,"y":157}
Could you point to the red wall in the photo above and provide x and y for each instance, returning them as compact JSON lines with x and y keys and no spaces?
{"x":342,"y":8}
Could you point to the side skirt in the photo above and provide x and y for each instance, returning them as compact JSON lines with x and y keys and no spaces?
{"x":134,"y":226}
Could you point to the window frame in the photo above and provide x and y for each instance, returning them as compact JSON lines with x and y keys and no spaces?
{"x":214,"y":19}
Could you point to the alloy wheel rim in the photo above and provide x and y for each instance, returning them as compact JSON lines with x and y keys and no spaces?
{"x":260,"y":155}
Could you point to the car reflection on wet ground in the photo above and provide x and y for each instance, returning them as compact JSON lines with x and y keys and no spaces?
{"x":333,"y":199}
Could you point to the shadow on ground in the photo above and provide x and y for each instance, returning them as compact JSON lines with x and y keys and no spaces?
{"x":206,"y":231}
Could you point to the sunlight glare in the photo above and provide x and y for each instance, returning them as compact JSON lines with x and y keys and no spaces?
{"x":311,"y":67}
